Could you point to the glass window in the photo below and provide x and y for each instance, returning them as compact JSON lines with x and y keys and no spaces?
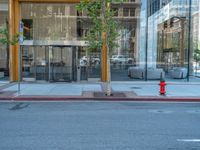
{"x":115,"y":11}
{"x":28,"y":29}
{"x":50,"y":21}
{"x":4,"y":49}
{"x":153,"y":36}
{"x":125,"y":12}
{"x":132,"y":11}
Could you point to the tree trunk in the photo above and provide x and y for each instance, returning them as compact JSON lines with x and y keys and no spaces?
{"x":105,"y":5}
{"x":109,"y":88}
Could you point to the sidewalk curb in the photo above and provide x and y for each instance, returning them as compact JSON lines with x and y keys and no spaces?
{"x":78,"y":98}
{"x":4,"y":98}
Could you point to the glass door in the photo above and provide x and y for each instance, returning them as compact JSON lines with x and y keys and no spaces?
{"x":61,"y":64}
{"x":28,"y":63}
{"x":41,"y":63}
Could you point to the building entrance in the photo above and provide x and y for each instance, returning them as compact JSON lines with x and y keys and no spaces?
{"x":61,"y":63}
{"x":49,"y":63}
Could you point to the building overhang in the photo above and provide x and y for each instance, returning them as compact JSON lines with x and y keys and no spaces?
{"x":50,"y":1}
{"x":53,"y":43}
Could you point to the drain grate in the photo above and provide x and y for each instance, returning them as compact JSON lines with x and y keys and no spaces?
{"x":135,"y":87}
{"x":114,"y":94}
{"x":161,"y":111}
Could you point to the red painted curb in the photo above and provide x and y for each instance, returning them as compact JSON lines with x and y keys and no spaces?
{"x":80,"y":98}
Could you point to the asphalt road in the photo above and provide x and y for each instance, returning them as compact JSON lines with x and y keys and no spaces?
{"x":99,"y":126}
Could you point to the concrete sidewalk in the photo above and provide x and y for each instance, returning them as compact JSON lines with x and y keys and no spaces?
{"x":2,"y":83}
{"x":90,"y":91}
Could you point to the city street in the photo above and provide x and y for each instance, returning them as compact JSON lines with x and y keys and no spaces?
{"x":99,"y":126}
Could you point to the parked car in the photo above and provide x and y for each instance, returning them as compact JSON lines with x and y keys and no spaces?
{"x":92,"y":60}
{"x":121,"y":59}
{"x":95,"y":60}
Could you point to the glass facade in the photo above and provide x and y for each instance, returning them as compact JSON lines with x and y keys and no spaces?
{"x":126,"y":54}
{"x":172,"y":40}
{"x":49,"y":21}
{"x":56,"y":53}
{"x":4,"y":49}
{"x":157,"y":39}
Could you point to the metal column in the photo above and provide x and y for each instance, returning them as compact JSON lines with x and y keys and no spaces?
{"x":189,"y":40}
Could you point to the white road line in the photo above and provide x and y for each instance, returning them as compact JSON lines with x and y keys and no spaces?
{"x":188,"y":140}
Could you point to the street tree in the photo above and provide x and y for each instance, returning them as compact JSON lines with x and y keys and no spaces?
{"x":103,"y":30}
{"x":7,"y":41}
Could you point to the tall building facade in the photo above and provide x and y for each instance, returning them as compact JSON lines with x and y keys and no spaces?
{"x":156,"y":5}
{"x":172,"y":35}
{"x":54,"y":48}
{"x":157,"y":39}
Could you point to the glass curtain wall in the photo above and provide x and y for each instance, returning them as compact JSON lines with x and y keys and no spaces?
{"x":157,"y":38}
{"x":127,"y":15}
{"x":47,"y":24}
{"x":167,"y":38}
{"x":195,"y":32}
{"x":49,"y":21}
{"x":4,"y":49}
{"x":167,"y":43}
{"x":171,"y":39}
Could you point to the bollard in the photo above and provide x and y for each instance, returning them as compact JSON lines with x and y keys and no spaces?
{"x":162,"y":87}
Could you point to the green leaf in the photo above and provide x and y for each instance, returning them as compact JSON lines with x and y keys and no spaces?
{"x":101,"y":21}
{"x":5,"y":38}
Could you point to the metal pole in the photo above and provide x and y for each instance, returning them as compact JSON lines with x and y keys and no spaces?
{"x":19,"y":69}
{"x":49,"y":51}
{"x":21,"y":30}
{"x":189,"y":40}
{"x":146,"y":42}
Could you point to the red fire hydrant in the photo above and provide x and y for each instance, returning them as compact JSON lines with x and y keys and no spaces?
{"x":162,"y":87}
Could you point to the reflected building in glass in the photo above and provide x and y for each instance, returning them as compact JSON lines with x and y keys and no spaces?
{"x":169,"y":47}
{"x":157,"y":39}
{"x":54,"y":48}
